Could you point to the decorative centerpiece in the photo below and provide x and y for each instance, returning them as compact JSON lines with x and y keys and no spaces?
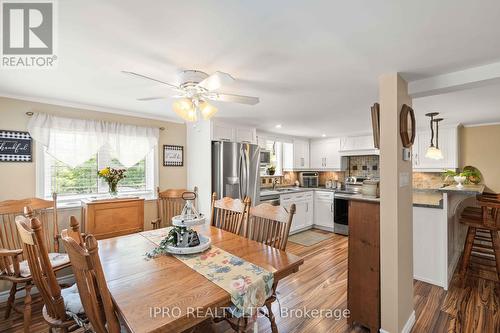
{"x":469,"y":175}
{"x":181,"y":239}
{"x":112,"y":177}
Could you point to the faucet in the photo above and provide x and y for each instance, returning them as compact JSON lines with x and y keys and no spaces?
{"x":275,"y":182}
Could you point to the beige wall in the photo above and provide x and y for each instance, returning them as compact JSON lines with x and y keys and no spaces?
{"x":17,"y":180}
{"x":396,"y":210}
{"x":479,"y":147}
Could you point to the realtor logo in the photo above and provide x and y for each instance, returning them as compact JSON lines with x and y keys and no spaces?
{"x":28,"y":34}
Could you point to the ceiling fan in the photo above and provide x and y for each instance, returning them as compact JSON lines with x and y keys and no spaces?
{"x":194,"y":91}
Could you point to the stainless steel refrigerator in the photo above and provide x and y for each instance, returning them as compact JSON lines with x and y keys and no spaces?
{"x":235,"y":170}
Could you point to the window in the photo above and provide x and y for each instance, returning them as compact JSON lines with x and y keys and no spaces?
{"x":82,"y":181}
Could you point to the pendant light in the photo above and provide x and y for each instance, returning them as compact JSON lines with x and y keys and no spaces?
{"x":433,"y":152}
{"x":439,"y":153}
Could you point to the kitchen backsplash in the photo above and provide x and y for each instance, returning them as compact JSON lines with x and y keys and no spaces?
{"x":363,"y":166}
{"x":427,"y":180}
{"x":289,"y":178}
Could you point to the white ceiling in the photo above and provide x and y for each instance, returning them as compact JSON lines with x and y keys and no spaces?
{"x":314,"y":64}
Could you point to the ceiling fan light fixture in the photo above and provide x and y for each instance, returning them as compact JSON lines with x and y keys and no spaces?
{"x":207,"y":110}
{"x":185,"y":109}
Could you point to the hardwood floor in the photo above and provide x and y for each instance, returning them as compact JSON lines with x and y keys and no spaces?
{"x":321,"y":283}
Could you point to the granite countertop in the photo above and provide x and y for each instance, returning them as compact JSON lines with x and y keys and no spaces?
{"x":465,"y":189}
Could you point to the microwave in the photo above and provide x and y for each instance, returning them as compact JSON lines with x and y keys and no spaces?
{"x":265,"y":157}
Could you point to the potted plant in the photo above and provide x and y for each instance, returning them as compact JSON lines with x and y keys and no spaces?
{"x":271,"y":170}
{"x":112,"y":176}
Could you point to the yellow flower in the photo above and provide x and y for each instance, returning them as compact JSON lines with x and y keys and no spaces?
{"x":104,"y":172}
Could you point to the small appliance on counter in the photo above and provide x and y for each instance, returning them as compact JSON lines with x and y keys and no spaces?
{"x":309,"y":179}
{"x":371,"y":188}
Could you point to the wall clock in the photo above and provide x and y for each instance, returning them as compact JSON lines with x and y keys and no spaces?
{"x":407,"y":126}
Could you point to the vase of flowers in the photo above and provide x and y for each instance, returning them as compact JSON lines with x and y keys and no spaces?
{"x":112,"y":177}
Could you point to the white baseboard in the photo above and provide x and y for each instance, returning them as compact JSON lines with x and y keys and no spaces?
{"x":4,"y":295}
{"x":409,"y":323}
{"x":408,"y":326}
{"x":431,"y":281}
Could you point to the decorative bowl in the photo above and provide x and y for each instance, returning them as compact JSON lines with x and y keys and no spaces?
{"x":459,"y":180}
{"x":205,"y":243}
{"x":188,"y":221}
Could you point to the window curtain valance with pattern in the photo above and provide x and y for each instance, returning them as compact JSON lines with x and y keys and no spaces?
{"x":74,"y":141}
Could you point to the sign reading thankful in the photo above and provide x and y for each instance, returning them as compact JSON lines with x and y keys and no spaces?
{"x":15,"y":146}
{"x":173,"y":155}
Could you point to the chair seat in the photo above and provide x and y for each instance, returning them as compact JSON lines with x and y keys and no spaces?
{"x":72,"y":301}
{"x":56,"y":259}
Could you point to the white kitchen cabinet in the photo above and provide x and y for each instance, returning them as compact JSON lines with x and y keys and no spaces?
{"x":323,"y":210}
{"x":325,"y":154}
{"x":300,"y":154}
{"x":222,"y":132}
{"x":229,"y":132}
{"x":304,"y":209}
{"x":296,"y":155}
{"x":247,"y":135}
{"x":262,"y":141}
{"x":448,"y":143}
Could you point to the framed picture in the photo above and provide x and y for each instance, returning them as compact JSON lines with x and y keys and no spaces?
{"x":15,"y":146}
{"x":173,"y":155}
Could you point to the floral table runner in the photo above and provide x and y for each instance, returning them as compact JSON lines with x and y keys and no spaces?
{"x":249,"y":285}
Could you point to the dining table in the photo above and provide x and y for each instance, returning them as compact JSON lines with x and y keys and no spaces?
{"x":164,"y":294}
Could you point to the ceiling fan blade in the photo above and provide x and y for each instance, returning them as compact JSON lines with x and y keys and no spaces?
{"x":235,"y":99}
{"x":151,"y":98}
{"x":150,"y":78}
{"x":216,"y":80}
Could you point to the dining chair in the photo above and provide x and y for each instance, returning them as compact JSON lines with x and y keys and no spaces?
{"x":58,"y":303}
{"x":13,"y":265}
{"x":230,"y":214}
{"x":270,"y":225}
{"x":169,"y":203}
{"x":92,"y":287}
{"x":482,"y":240}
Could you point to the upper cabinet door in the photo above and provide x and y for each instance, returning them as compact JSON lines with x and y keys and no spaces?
{"x":223,"y":132}
{"x":246,"y":135}
{"x":318,"y":154}
{"x":301,"y":154}
{"x":332,"y":149}
{"x":288,"y":156}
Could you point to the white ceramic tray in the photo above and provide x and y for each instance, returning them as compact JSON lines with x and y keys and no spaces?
{"x":183,"y":221}
{"x":205,"y":243}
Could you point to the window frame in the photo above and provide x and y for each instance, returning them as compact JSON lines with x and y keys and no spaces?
{"x":152,"y":174}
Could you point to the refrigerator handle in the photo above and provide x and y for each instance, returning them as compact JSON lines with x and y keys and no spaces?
{"x":247,"y":173}
{"x":240,"y":174}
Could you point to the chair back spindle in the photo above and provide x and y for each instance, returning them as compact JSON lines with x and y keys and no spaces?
{"x":270,"y":224}
{"x":230,"y":214}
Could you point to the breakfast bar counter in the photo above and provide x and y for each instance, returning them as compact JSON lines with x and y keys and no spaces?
{"x":438,"y":237}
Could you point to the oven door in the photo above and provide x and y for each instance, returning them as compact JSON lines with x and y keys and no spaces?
{"x":341,"y":216}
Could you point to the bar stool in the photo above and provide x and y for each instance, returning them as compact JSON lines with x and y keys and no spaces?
{"x":482,"y":239}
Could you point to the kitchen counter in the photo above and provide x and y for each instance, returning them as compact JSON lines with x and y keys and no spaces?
{"x":465,"y":189}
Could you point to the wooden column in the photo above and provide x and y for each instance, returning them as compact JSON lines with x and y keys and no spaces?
{"x":396,"y":210}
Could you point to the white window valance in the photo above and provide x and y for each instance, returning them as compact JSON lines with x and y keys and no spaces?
{"x":74,"y":141}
